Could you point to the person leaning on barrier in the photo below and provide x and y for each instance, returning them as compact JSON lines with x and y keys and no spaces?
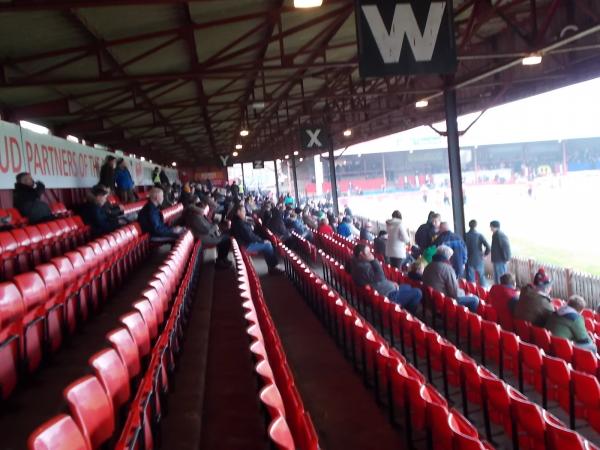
{"x":567,"y":322}
{"x":366,"y":270}
{"x":439,"y":275}
{"x":27,"y":199}
{"x":535,"y":303}
{"x":151,"y":220}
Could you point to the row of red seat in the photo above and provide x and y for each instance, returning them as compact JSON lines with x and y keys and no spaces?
{"x":291,"y":426}
{"x":308,"y":248}
{"x":21,"y":249}
{"x":424,"y":412}
{"x":580,"y":359}
{"x":141,"y":355}
{"x":40,"y":308}
{"x":552,"y":377}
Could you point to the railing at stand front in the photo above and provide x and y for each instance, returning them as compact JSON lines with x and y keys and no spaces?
{"x":566,"y":282}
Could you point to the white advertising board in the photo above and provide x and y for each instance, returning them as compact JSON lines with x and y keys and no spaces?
{"x":57,"y":162}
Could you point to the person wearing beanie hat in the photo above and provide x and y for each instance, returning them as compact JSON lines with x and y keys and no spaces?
{"x":535,"y":303}
{"x":500,"y":251}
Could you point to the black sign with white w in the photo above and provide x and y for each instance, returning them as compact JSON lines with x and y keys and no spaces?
{"x":405,"y":37}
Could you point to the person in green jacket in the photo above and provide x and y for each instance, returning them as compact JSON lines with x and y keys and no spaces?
{"x":567,"y":322}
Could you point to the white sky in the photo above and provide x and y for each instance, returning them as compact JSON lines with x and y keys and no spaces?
{"x":566,"y":113}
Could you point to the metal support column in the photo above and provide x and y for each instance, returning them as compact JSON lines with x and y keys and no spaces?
{"x":295,"y":181}
{"x":243,"y":180}
{"x":458,"y":209}
{"x":334,"y":194}
{"x":276,"y":181}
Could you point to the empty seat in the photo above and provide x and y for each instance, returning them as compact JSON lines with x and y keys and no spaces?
{"x":147,"y":311}
{"x":22,"y":252}
{"x":8,"y":255}
{"x":127,"y":349}
{"x":91,"y":408}
{"x":71,"y":301}
{"x":12,"y":310}
{"x":55,"y":304}
{"x":59,"y":433}
{"x":34,"y":295}
{"x":139,"y":331}
{"x":110,"y":369}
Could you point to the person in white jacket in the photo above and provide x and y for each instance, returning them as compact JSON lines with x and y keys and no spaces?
{"x":395,"y":249}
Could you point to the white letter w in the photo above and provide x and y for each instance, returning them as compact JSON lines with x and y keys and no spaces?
{"x":404,"y":22}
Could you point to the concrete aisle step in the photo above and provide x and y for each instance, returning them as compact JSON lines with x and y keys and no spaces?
{"x":231,"y":417}
{"x":344,"y":412}
{"x":41,"y":397}
{"x":182,"y":426}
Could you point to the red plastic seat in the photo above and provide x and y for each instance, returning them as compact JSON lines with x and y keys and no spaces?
{"x":91,"y":409}
{"x":36,"y":244}
{"x":560,"y":437}
{"x":71,"y":302}
{"x":83,"y":282}
{"x":59,"y":433}
{"x":531,"y":366}
{"x":530,"y":423}
{"x":138,"y":329}
{"x":149,"y":315}
{"x":557,"y":377}
{"x":541,"y":338}
{"x":585,"y":360}
{"x":522,"y":329}
{"x":112,"y":373}
{"x":12,"y":311}
{"x":490,"y":343}
{"x":465,"y":436}
{"x":127,"y":349}
{"x":34,"y":295}
{"x":17,"y":219}
{"x":561,"y":348}
{"x":587,"y":397}
{"x":8,"y":255}
{"x":47,"y":242}
{"x":23,"y":251}
{"x":55,"y":304}
{"x":159,"y":304}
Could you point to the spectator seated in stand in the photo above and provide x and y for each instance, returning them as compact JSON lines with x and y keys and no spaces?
{"x":196,"y":219}
{"x":308,"y":218}
{"x":243,"y":233}
{"x":324,"y":227}
{"x":535,"y":303}
{"x":366,"y":270}
{"x":347,"y":229}
{"x":277,"y":225}
{"x":152,"y":222}
{"x":567,"y":322}
{"x":295,"y":223}
{"x":27,"y":199}
{"x":416,"y":269}
{"x":440,"y":276}
{"x":503,"y":297}
{"x":95,"y":214}
{"x":365,"y":232}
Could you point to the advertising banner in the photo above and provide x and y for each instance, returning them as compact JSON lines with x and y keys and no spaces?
{"x":59,"y":163}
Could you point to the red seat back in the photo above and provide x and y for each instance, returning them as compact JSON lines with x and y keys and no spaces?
{"x":112,"y":373}
{"x":138,"y":330}
{"x":91,"y":409}
{"x":32,"y":288}
{"x":12,"y":307}
{"x":127,"y":349}
{"x":59,"y":433}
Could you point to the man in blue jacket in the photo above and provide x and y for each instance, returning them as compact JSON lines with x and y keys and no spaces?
{"x":151,"y":220}
{"x":455,"y":242}
{"x":124,"y":182}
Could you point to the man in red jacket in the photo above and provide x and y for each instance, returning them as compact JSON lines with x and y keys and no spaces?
{"x":503,"y":297}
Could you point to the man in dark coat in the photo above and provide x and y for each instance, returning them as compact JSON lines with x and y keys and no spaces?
{"x":477,"y":249}
{"x":151,"y":220}
{"x":96,"y":215}
{"x":426,"y":233}
{"x":107,"y":173}
{"x":26,"y":198}
{"x":500,"y":251}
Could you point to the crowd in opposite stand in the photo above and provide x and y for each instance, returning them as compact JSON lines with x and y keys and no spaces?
{"x":438,"y":257}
